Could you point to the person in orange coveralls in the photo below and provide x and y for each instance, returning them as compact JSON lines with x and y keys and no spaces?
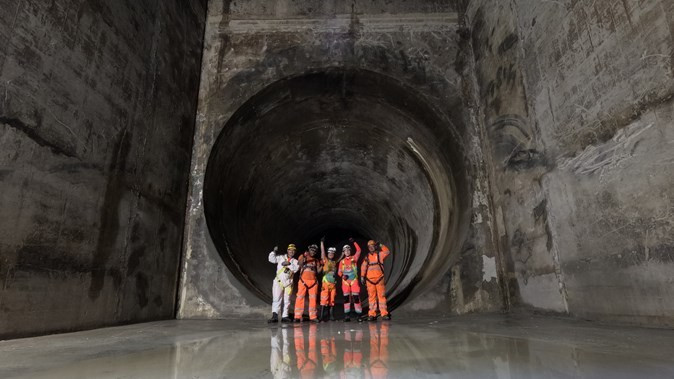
{"x":329,"y":282}
{"x":378,"y":367}
{"x":308,"y":284}
{"x":372,"y":272}
{"x":348,"y":271}
{"x":307,"y":362}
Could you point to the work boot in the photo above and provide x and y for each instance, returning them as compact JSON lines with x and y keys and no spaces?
{"x":387,"y":317}
{"x":286,"y":319}
{"x":321,"y":314}
{"x":274,"y":318}
{"x":332,"y":314}
{"x":372,"y":318}
{"x":298,"y":320}
{"x":316,"y":320}
{"x":347,"y":317}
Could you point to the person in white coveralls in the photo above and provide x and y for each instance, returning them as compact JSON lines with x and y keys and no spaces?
{"x":286,"y":267}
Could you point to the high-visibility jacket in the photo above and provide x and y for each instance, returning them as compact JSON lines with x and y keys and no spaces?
{"x":373,"y":266}
{"x":284,"y":274}
{"x":309,"y":268}
{"x":348,"y":266}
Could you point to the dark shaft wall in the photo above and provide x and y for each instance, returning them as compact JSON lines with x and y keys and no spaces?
{"x":97,"y":113}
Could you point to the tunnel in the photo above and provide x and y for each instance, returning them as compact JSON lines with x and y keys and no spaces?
{"x":338,"y":153}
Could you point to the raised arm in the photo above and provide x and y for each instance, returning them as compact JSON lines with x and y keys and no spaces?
{"x":357,"y":255}
{"x":384,"y":252}
{"x":272,"y":255}
{"x":323,"y":248}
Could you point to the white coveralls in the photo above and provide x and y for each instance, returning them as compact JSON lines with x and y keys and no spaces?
{"x":283,"y":282}
{"x":279,"y":361}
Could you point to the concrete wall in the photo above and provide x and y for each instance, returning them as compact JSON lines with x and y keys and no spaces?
{"x":96,"y":117}
{"x":251,"y":45}
{"x":577,"y":99}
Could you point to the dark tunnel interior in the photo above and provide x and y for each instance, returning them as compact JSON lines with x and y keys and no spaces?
{"x":339,"y":153}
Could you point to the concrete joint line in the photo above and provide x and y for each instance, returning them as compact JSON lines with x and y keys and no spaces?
{"x":345,"y":22}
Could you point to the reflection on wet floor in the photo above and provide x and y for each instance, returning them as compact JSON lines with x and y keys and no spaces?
{"x":476,"y":346}
{"x":357,"y":361}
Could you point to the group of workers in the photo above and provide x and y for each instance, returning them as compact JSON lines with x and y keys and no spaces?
{"x":310,"y":268}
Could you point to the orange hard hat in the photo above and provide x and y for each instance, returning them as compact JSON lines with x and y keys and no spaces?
{"x":371,"y":243}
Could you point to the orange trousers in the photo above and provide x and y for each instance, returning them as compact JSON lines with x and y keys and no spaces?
{"x":377,"y":296}
{"x":352,"y":357}
{"x":328,"y":293}
{"x":379,"y":351}
{"x":304,"y":288}
{"x":307,"y":361}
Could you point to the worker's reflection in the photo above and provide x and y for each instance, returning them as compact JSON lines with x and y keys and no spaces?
{"x":332,"y":342}
{"x":353,"y":356}
{"x":329,"y":356}
{"x":378,"y":367}
{"x":307,"y":360}
{"x":279,"y":360}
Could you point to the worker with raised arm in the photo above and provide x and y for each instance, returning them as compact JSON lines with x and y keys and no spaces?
{"x":329,"y":282}
{"x":372,"y":273}
{"x":282,"y":288}
{"x":308,"y":284}
{"x":348,"y":271}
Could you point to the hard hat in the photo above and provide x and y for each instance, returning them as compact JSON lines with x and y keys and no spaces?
{"x":313,"y":247}
{"x":346,"y":247}
{"x":292,"y":247}
{"x":371,"y":243}
{"x":332,"y":250}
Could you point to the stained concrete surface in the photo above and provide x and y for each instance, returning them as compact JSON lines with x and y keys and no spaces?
{"x":339,"y":116}
{"x":486,"y":346}
{"x":577,"y":103}
{"x":96,"y":118}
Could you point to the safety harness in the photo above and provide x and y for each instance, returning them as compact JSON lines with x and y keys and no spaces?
{"x":307,"y":361}
{"x":284,"y":269}
{"x":378,"y":263}
{"x":354,"y":268}
{"x":311,"y":267}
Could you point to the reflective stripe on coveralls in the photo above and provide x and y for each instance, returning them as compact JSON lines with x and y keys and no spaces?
{"x":309,"y":268}
{"x":376,"y":287}
{"x":350,"y":288}
{"x":288,"y":289}
{"x":329,"y":285}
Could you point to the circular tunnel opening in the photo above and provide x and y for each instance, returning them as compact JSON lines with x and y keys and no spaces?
{"x":338,"y":153}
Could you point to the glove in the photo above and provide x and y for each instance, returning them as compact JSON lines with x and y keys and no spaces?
{"x":285,"y":264}
{"x":323,"y":239}
{"x":275,"y":249}
{"x":351,"y":239}
{"x":362,"y":281}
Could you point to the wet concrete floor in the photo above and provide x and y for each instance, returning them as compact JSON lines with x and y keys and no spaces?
{"x":487,"y":346}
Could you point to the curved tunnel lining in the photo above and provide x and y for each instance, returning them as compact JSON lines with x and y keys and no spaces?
{"x":320,"y":126}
